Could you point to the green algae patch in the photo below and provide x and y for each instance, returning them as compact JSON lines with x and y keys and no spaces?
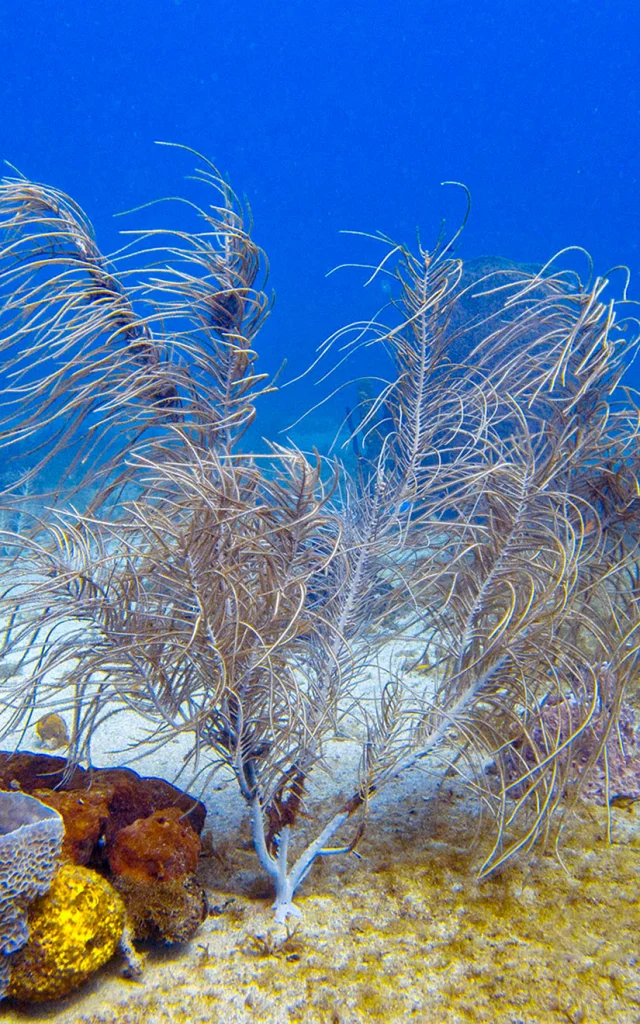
{"x":408,"y":933}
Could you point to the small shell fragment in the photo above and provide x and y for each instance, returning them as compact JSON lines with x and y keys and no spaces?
{"x":52,"y":732}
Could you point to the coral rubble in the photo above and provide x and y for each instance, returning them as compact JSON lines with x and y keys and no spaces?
{"x":52,"y":732}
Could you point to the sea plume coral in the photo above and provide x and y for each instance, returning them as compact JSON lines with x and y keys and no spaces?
{"x":245,"y":599}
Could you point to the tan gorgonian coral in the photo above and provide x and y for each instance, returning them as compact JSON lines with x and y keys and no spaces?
{"x":245,"y":599}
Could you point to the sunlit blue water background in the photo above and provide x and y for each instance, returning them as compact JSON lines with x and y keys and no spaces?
{"x":339,"y":115}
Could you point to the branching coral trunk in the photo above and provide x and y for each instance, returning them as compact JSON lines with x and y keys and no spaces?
{"x":287,"y":879}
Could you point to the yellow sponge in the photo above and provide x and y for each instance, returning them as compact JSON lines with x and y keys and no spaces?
{"x":74,"y":929}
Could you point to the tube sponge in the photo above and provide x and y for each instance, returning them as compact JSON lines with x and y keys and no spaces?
{"x":31,"y":837}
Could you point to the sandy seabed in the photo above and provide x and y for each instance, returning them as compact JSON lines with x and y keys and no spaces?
{"x":403,"y":933}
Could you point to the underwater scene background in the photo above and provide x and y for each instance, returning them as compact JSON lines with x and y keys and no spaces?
{"x":466,"y":586}
{"x":339,"y":116}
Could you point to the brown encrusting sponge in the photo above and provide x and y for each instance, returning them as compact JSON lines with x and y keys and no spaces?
{"x":162,"y":847}
{"x":153,"y":864}
{"x":128,"y":796}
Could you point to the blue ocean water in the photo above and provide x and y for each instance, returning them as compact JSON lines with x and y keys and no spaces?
{"x":335,"y":116}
